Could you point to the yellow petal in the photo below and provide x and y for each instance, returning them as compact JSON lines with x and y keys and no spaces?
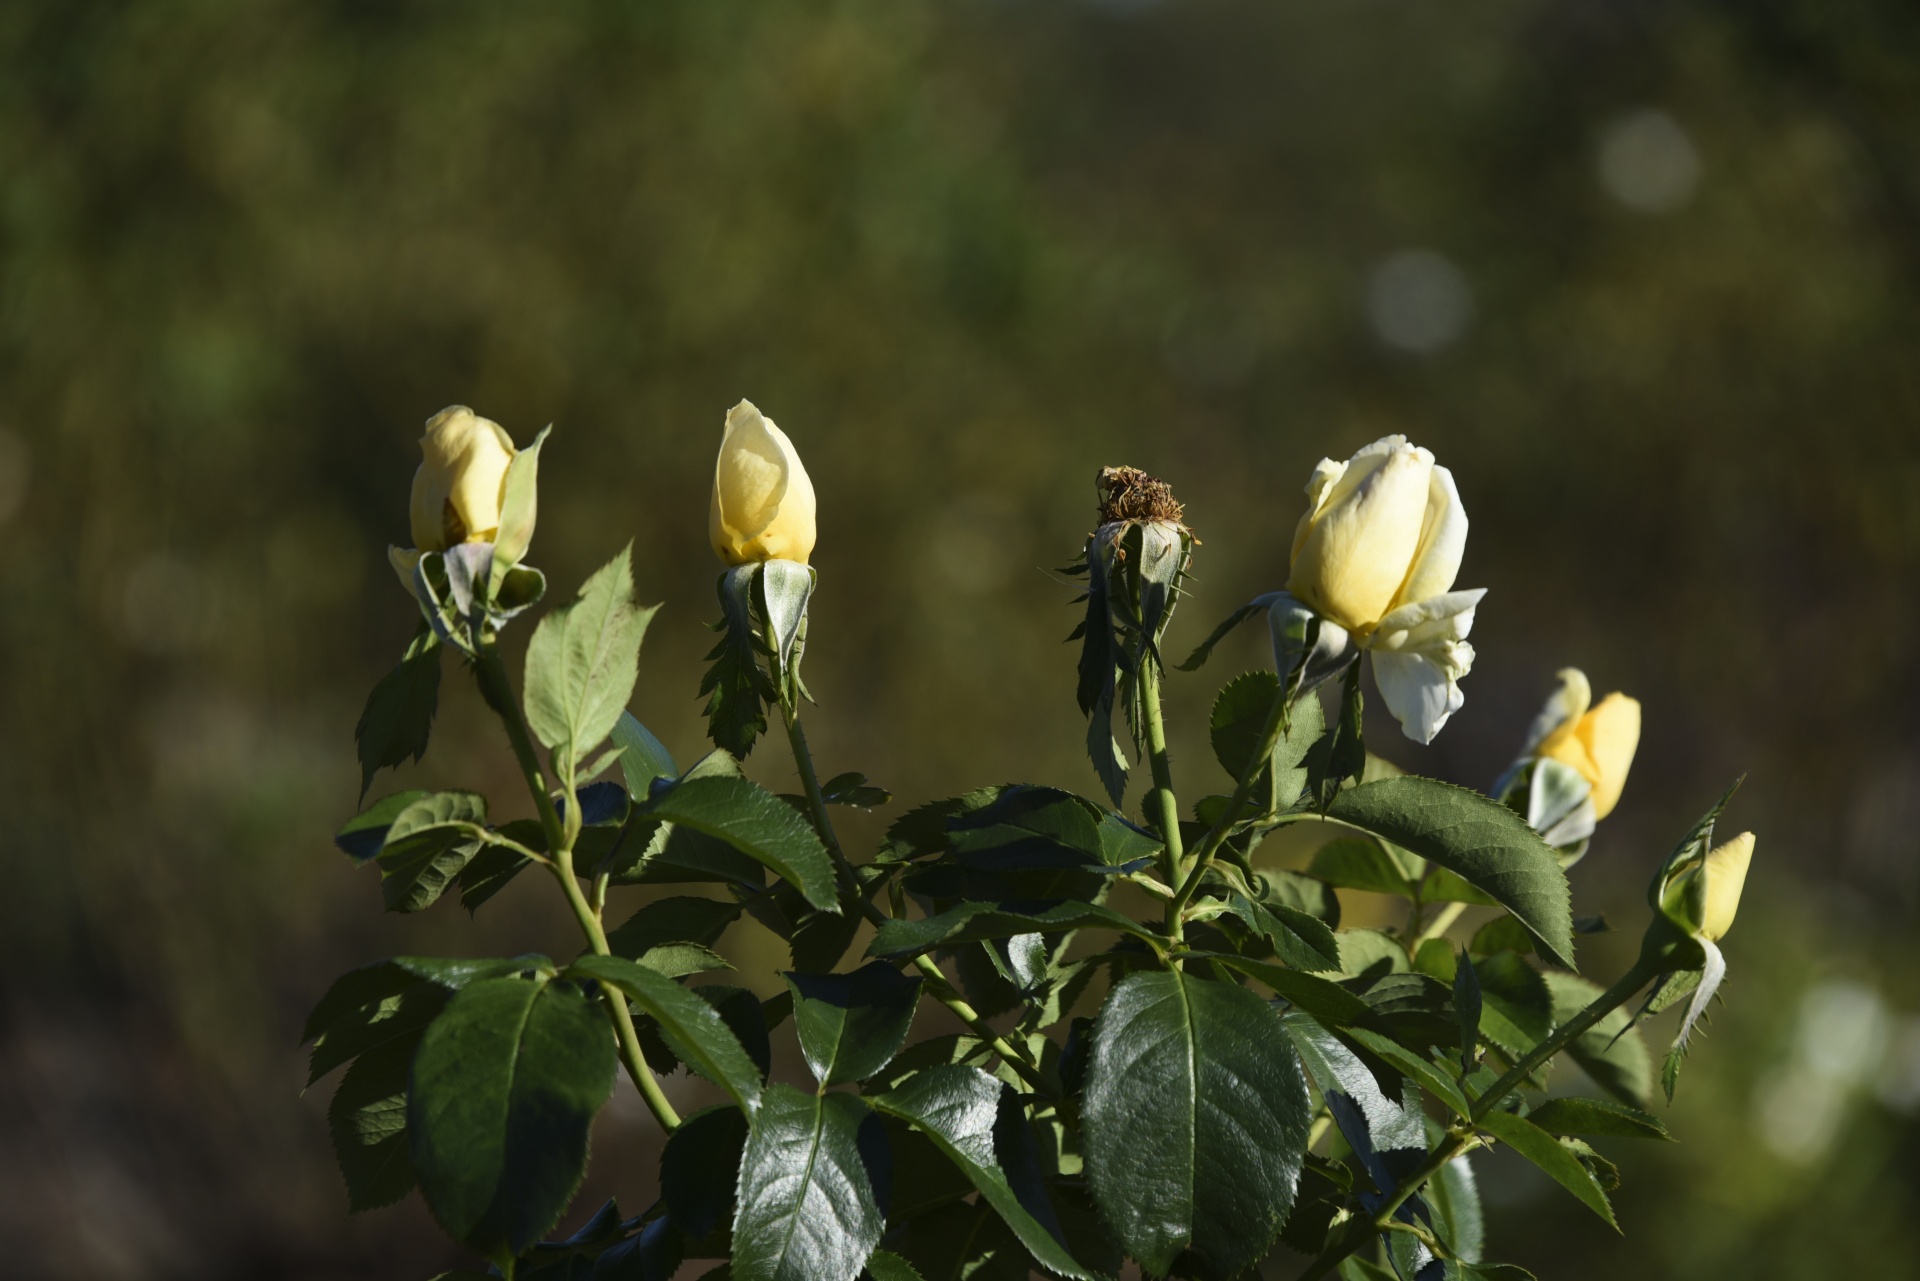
{"x":763,"y":504}
{"x":1443,"y":543}
{"x":1361,"y":544}
{"x":463,"y":471}
{"x":1723,"y":876}
{"x":1611,"y":734}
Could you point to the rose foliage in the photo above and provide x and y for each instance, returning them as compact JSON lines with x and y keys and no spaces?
{"x":1172,"y":1053}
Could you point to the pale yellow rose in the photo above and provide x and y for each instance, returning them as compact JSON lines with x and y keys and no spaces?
{"x":763,"y":504}
{"x":1596,"y":742}
{"x":458,"y":488}
{"x":1382,"y":530}
{"x":1713,"y":896}
{"x":1376,"y":555}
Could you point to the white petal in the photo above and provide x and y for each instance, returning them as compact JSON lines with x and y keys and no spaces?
{"x":1422,"y":689}
{"x":1430,"y":622}
{"x":1443,"y":541}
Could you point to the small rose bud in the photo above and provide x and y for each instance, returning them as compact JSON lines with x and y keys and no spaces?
{"x":1712,"y":891}
{"x":1596,"y":742}
{"x":458,"y":488}
{"x":763,"y":503}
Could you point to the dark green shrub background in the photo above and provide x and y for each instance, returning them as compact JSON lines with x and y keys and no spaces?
{"x":965,"y":252}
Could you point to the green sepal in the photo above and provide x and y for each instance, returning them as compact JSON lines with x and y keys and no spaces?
{"x":735,"y":687}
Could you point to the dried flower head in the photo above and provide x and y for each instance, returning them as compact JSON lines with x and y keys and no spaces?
{"x":1129,"y":494}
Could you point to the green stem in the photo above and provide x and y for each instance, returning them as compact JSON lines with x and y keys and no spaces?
{"x":1162,"y":804}
{"x":1462,"y":1139}
{"x":936,"y":982}
{"x":1441,"y":923}
{"x":497,"y":689}
{"x":1210,"y":843}
{"x":1604,"y":1004}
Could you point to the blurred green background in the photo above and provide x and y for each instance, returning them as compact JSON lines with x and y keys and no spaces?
{"x":1644,"y":275}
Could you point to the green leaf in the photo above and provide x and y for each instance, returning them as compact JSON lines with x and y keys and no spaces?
{"x":1325,"y":1000}
{"x":1195,"y":1120}
{"x":429,"y":844}
{"x":489,"y":872}
{"x":1467,"y":1005}
{"x":1301,"y":940}
{"x":1370,"y":952}
{"x":398,"y":718}
{"x":359,"y":990}
{"x":851,"y":1025}
{"x":1300,"y":891}
{"x":678,"y":960}
{"x":1501,"y":934}
{"x":852,"y":789}
{"x":734,"y":686}
{"x":922,"y":830}
{"x":973,"y":922}
{"x":697,"y":1034}
{"x":806,"y":1206}
{"x":682,"y":919}
{"x":368,"y":1121}
{"x":1442,"y":886}
{"x":700,"y":1166}
{"x":1454,"y":1197}
{"x":583,"y":660}
{"x":643,"y":757}
{"x":957,"y":1108}
{"x":1374,"y":1124}
{"x":1487,"y":1272}
{"x":1341,"y":755}
{"x":1357,"y":864}
{"x":399,"y":1017}
{"x":1547,"y":1152}
{"x":1612,"y":1051}
{"x":1240,"y":714}
{"x":965,"y":1242}
{"x":656,"y":853}
{"x":655,"y":1253}
{"x":885,"y":1265}
{"x":737,"y":1007}
{"x":1516,"y":1010}
{"x":363,"y":835}
{"x":1482,"y":840}
{"x":1431,"y":1078}
{"x":1596,"y":1118}
{"x":505,"y":1084}
{"x":758,"y":824}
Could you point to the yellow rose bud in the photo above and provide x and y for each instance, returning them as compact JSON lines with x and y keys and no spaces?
{"x":1597,"y":743}
{"x":763,"y":505}
{"x":1382,"y":530}
{"x":1713,"y":896}
{"x":457,"y":491}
